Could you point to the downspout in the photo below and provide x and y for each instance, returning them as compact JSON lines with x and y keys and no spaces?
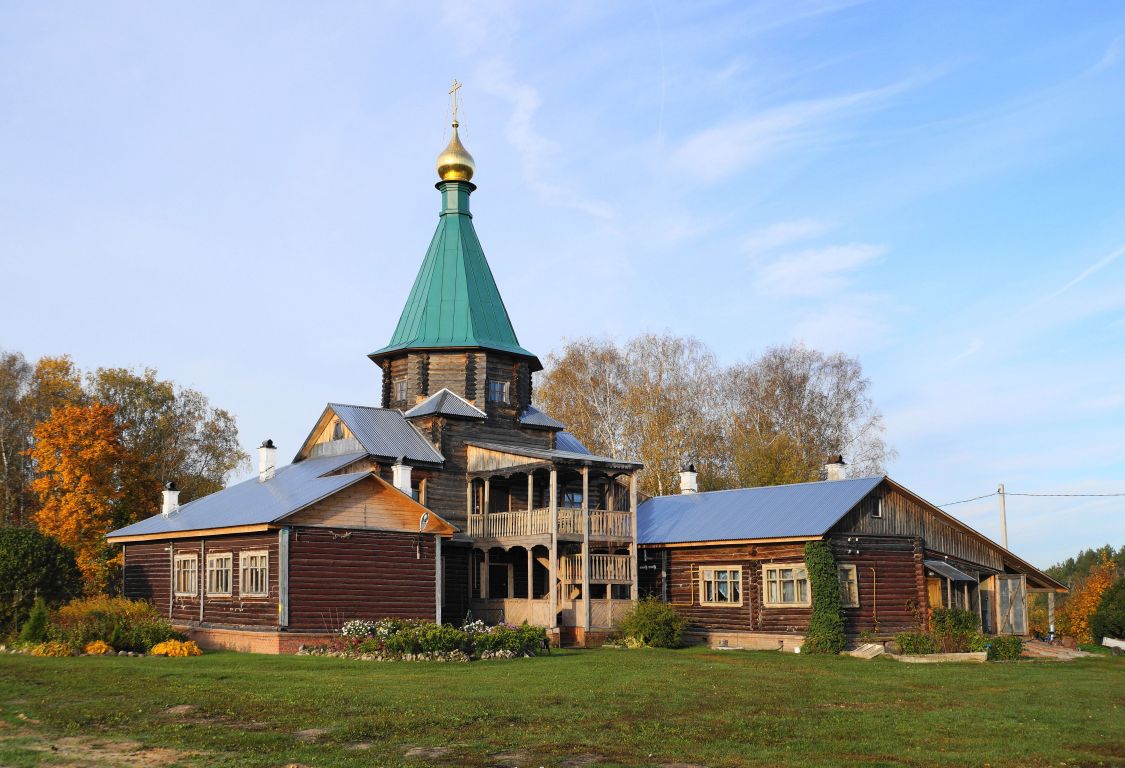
{"x":171,"y":577}
{"x":202,"y":574}
{"x":874,"y":601}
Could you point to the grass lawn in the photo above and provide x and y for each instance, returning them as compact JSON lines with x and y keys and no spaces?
{"x":573,"y":708}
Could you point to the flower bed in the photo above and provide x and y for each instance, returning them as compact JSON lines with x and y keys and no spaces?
{"x":412,"y":640}
{"x":98,"y":626}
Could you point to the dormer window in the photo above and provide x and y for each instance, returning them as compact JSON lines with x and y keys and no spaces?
{"x":400,"y":390}
{"x":497,"y":391}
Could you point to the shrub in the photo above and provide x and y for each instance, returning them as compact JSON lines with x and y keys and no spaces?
{"x":953,"y":629}
{"x":35,"y":628}
{"x":915,"y":643}
{"x":128,"y":625}
{"x":97,"y":648}
{"x":505,"y":639}
{"x":826,"y":624}
{"x":1005,"y":648}
{"x":1109,"y":618}
{"x":33,"y":565}
{"x":176,"y":648}
{"x":653,"y":623}
{"x":52,"y":648}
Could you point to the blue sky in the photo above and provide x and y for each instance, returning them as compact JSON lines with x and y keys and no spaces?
{"x":240,"y":197}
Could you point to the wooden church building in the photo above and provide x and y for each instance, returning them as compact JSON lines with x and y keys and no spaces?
{"x":455,"y":497}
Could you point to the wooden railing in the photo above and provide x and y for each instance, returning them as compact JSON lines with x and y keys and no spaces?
{"x":537,"y":522}
{"x":604,"y":569}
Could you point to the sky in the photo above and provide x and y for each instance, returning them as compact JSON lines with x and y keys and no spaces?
{"x":240,"y":195}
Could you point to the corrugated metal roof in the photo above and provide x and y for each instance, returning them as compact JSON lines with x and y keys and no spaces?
{"x":386,"y":432}
{"x":447,"y":403}
{"x":252,"y":502}
{"x":546,"y":454}
{"x":533,"y":417}
{"x":454,"y":301}
{"x":565,"y":441}
{"x":803,"y":509}
{"x":948,"y":571}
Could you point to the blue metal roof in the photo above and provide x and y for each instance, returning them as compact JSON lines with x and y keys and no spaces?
{"x":386,"y":432}
{"x":533,"y":417}
{"x":565,"y":441}
{"x":779,"y":511}
{"x":447,"y":403}
{"x":253,"y":502}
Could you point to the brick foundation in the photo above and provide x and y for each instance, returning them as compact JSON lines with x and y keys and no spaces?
{"x":252,"y":640}
{"x":749,"y":641}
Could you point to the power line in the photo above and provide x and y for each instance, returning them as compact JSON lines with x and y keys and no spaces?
{"x":1054,"y":495}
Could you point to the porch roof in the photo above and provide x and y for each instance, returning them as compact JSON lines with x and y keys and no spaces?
{"x":948,"y":571}
{"x":557,"y":456}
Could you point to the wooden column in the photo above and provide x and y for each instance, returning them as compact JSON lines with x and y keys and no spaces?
{"x":530,"y":591}
{"x":484,"y":590}
{"x":530,"y":491}
{"x":553,"y":579}
{"x":1051,"y":612}
{"x":486,"y":507}
{"x":634,"y":589}
{"x":439,"y":579}
{"x":585,"y":548}
{"x":203,"y":576}
{"x":282,"y":577}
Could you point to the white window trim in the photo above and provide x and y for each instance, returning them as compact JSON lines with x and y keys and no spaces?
{"x":230,"y":573}
{"x":178,"y":569}
{"x":400,"y":389}
{"x":766,"y":587}
{"x":736,"y":569}
{"x":505,"y":391}
{"x":854,"y":580}
{"x":242,"y":558}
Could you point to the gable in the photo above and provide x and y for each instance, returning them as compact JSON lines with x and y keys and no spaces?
{"x":371,"y":503}
{"x":382,"y":432}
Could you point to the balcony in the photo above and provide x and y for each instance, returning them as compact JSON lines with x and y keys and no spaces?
{"x":604,"y":569}
{"x":604,"y":524}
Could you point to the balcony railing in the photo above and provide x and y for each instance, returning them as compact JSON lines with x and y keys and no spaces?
{"x":604,"y":569}
{"x":537,"y":522}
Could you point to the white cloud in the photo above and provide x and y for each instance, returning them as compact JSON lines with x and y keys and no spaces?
{"x":815,"y":271}
{"x":976,"y":345}
{"x":783,"y":233}
{"x":1090,"y":270}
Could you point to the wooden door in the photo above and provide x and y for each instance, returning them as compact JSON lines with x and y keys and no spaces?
{"x":1012,"y":594}
{"x":934,"y":592}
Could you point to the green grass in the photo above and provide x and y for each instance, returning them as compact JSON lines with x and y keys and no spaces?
{"x":609,"y":707}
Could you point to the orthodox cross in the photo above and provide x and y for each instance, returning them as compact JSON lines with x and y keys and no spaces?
{"x":453,"y":97}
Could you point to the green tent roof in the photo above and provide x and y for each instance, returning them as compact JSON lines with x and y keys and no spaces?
{"x":455,"y":301}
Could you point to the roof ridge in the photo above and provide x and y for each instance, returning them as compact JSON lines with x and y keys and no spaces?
{"x":763,"y":487}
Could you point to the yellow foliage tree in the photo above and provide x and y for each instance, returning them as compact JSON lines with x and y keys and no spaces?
{"x":1074,"y":616}
{"x":77,"y":455}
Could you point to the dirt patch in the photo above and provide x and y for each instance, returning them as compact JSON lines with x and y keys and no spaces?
{"x":361,"y":746}
{"x":80,"y":752}
{"x":180,"y":710}
{"x":581,"y":761}
{"x":510,"y":759}
{"x":427,"y":753}
{"x":310,"y":734}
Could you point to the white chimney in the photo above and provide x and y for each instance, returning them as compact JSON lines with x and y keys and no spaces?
{"x":267,"y":461}
{"x":171,"y":499}
{"x":400,"y":472}
{"x":689,"y":479}
{"x":835,"y":469}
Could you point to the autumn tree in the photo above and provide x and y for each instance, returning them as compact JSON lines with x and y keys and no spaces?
{"x":78,"y":454}
{"x":170,"y":433}
{"x":1075,"y":615}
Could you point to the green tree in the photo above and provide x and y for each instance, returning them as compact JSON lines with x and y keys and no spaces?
{"x":33,"y":565}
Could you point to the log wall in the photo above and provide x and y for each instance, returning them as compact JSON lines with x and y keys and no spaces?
{"x":337,"y":575}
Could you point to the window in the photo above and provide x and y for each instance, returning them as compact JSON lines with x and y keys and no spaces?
{"x":849,"y":586}
{"x":786,"y":585}
{"x":186,"y":575}
{"x":218,"y":574}
{"x":497,"y":391}
{"x":338,"y":431}
{"x":878,"y":510}
{"x":400,"y":390}
{"x":255,"y":574}
{"x":720,"y":586}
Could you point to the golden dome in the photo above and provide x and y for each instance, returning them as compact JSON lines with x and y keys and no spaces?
{"x":455,"y":163}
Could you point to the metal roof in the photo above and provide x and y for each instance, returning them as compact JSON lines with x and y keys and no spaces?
{"x":533,"y":417}
{"x":547,"y":454}
{"x":386,"y":432}
{"x":565,"y":441}
{"x":455,"y":301}
{"x":948,"y":571}
{"x":779,"y":511}
{"x":253,"y":502}
{"x":446,"y":403}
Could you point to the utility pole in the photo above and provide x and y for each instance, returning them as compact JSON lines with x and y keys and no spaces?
{"x":1003,"y":517}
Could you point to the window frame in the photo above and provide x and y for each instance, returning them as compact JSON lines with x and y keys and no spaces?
{"x":243,"y":556}
{"x":853,"y":580}
{"x":505,"y":390}
{"x":400,"y":390}
{"x":737,"y":581}
{"x":229,"y":557}
{"x":780,"y":603}
{"x":178,"y":571}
